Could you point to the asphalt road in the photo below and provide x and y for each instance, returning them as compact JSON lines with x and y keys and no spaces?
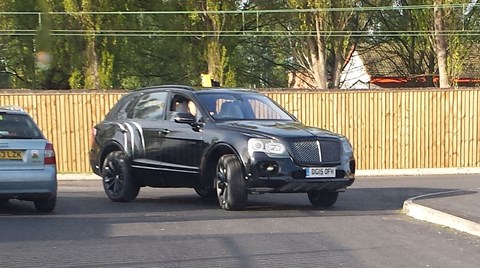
{"x":175,"y":228}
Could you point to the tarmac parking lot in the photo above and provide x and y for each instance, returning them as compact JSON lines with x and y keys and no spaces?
{"x":175,"y":228}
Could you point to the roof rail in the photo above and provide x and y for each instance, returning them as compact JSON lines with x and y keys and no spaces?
{"x":168,"y":86}
{"x":232,"y":89}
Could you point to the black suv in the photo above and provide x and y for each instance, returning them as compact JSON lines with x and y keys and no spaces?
{"x":226,"y":143}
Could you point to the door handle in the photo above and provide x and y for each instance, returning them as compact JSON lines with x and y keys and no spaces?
{"x":164,"y":132}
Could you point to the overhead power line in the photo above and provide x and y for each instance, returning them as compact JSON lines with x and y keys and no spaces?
{"x":256,"y":32}
{"x":331,"y":9}
{"x":162,"y":33}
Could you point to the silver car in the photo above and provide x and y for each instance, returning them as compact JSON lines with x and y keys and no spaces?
{"x":28,"y":169}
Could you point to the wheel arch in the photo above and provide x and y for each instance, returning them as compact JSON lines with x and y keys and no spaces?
{"x":209,"y":164}
{"x":108,"y":148}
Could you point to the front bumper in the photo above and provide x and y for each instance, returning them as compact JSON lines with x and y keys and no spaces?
{"x":270,"y":175}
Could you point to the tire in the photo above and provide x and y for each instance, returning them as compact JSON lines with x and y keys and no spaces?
{"x":117,"y":180}
{"x":230,"y":183}
{"x":206,"y":193}
{"x":322,"y":198}
{"x":45,"y":204}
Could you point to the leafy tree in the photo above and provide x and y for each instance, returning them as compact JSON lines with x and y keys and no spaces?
{"x":79,"y":10}
{"x":323,"y":54}
{"x":213,"y":23}
{"x":18,"y":51}
{"x":152,"y":60}
{"x":261,"y":59}
{"x":424,"y":48}
{"x":73,"y":44}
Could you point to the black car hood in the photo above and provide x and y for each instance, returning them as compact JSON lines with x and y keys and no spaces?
{"x":285,"y":129}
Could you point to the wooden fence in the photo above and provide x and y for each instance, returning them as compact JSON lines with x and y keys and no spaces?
{"x":395,"y":129}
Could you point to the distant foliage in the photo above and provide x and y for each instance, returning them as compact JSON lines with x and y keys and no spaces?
{"x":77,"y":44}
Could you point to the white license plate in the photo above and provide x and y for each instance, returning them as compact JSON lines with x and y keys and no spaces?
{"x":314,"y":172}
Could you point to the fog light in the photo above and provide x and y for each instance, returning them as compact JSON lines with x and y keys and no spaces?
{"x":352,"y":166}
{"x":269,"y":168}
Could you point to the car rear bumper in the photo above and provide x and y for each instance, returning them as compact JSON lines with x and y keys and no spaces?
{"x":28,"y":183}
{"x":94,"y":160}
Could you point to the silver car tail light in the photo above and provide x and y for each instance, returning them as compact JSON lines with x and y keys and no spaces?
{"x":49,"y":155}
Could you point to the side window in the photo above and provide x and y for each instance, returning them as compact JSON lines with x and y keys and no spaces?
{"x":118,"y":111}
{"x":151,"y":106}
{"x":182,"y":104}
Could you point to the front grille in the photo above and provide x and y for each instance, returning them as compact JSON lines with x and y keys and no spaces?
{"x":306,"y":152}
{"x":331,"y":150}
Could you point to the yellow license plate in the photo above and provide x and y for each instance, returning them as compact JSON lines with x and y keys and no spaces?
{"x":11,"y":155}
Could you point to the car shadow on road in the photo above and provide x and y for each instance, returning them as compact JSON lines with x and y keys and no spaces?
{"x":87,"y":215}
{"x":354,"y":201}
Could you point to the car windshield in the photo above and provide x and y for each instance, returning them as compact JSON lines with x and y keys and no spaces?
{"x":18,"y":126}
{"x":242,"y":106}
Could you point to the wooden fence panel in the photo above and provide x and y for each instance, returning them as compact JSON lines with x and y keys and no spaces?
{"x":66,"y":119}
{"x":396,"y":129}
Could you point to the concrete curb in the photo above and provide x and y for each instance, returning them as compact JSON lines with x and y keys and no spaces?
{"x":427,"y":214}
{"x":416,"y":172}
{"x":77,"y":176}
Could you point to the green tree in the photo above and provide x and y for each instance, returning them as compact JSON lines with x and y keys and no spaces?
{"x":158,"y":59}
{"x":433,"y":42}
{"x":79,"y":9}
{"x":213,"y":23}
{"x":18,"y":51}
{"x":323,"y":54}
{"x":254,"y":59}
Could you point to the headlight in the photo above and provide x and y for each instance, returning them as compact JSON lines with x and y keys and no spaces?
{"x":272,"y":148}
{"x":347,"y":147}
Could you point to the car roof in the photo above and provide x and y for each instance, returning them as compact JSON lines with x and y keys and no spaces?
{"x":227,"y":90}
{"x":11,"y":109}
{"x":188,"y":89}
{"x":163,"y":87}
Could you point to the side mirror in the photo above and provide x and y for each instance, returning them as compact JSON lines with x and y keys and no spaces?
{"x":184,"y":118}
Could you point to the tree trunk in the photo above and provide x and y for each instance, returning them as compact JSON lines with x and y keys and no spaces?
{"x":320,"y":61}
{"x":337,"y":69}
{"x":214,"y":55}
{"x":91,"y":74}
{"x":440,"y":45}
{"x":214,"y":59}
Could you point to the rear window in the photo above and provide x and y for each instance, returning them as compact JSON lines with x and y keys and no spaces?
{"x":18,"y":126}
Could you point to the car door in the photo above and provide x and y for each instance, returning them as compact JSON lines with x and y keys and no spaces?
{"x":181,"y":145}
{"x":149,"y":118}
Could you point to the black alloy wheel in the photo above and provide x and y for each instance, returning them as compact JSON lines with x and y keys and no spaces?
{"x":230,"y":183}
{"x":322,"y":198}
{"x":117,"y":180}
